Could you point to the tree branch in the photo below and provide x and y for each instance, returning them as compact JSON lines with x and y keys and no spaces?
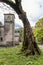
{"x":11,"y":3}
{"x":16,"y":6}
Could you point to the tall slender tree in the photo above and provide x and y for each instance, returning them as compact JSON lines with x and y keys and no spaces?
{"x":29,"y":43}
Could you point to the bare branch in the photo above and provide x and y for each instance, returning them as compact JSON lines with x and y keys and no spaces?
{"x":11,"y":3}
{"x":16,"y":6}
{"x":8,"y":7}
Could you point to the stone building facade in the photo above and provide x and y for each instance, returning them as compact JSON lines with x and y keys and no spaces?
{"x":7,"y":32}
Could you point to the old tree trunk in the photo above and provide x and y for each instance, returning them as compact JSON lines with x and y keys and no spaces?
{"x":29,"y":44}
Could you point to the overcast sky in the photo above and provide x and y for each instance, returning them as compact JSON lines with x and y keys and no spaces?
{"x":33,"y":8}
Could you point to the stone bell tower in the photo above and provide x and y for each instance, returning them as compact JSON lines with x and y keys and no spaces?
{"x":9,"y":29}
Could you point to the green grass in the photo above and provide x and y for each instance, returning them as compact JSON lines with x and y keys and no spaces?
{"x":9,"y":56}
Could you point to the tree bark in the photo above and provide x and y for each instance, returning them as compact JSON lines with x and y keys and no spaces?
{"x":29,"y":45}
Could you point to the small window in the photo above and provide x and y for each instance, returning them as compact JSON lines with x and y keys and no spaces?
{"x":1,"y":39}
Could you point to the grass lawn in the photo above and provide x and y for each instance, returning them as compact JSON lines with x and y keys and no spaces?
{"x":9,"y":56}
